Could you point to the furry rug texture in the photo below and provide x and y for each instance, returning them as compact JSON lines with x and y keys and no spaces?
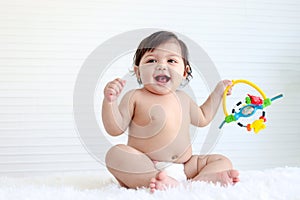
{"x":277,"y":183}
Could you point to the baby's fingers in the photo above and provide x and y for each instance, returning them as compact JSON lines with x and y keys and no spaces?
{"x":229,"y":92}
{"x":114,"y":88}
{"x":228,"y":83}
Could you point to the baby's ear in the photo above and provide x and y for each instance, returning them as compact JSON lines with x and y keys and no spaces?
{"x":136,"y":71}
{"x":137,"y":74}
{"x":186,"y":71}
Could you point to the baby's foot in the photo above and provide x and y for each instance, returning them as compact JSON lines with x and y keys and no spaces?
{"x":162,"y":181}
{"x":226,"y":177}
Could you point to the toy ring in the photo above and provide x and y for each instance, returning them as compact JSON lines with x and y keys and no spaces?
{"x":252,"y":104}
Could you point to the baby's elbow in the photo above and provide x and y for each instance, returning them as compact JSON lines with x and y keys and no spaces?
{"x":200,"y":123}
{"x":204,"y":120}
{"x":203,"y":123}
{"x":114,"y":131}
{"x":207,"y":123}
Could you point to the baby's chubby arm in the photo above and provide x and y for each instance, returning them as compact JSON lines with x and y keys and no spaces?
{"x":116,"y":118}
{"x":203,"y":115}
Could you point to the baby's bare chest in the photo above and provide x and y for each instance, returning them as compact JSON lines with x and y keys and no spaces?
{"x":169,"y":112}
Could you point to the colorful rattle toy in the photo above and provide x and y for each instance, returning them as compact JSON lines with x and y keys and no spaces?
{"x":252,"y":104}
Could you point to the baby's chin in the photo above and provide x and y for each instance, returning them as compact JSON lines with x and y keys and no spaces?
{"x":159,"y":89}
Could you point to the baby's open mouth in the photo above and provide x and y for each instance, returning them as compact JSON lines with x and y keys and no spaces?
{"x":162,"y":78}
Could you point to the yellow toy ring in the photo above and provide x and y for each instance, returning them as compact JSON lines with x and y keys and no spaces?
{"x":234,"y":82}
{"x":252,"y":105}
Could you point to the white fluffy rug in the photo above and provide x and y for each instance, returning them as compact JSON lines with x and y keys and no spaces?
{"x":279,"y":183}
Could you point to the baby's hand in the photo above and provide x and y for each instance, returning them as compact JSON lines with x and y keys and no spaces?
{"x":113,"y":89}
{"x":222,"y":85}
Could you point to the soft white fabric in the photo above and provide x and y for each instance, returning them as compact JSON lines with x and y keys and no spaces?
{"x":279,"y":183}
{"x":173,"y":170}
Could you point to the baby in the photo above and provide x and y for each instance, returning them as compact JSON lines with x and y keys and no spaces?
{"x":159,"y":151}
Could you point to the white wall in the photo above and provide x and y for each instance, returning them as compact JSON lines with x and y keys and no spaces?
{"x":44,"y":43}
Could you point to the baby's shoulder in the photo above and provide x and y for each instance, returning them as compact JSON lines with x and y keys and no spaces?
{"x":132,"y":94}
{"x":184,"y":97}
{"x":182,"y":94}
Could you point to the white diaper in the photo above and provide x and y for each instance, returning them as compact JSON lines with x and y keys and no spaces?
{"x":174,"y":170}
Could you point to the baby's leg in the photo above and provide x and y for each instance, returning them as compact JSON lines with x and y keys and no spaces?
{"x":211,"y":168}
{"x":130,"y":167}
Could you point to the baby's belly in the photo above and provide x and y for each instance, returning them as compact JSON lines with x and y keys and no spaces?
{"x":176,"y":156}
{"x":164,"y":147}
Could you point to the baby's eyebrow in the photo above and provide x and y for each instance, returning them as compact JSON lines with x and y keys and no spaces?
{"x":171,"y":54}
{"x":155,"y":54}
{"x":175,"y":55}
{"x":149,"y":55}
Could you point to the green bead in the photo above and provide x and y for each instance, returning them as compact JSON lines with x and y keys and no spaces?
{"x":230,"y":118}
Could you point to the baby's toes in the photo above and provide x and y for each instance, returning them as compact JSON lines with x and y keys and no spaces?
{"x":152,"y":185}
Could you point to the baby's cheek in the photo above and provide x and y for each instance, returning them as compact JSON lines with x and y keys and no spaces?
{"x":146,"y":73}
{"x":176,"y":79}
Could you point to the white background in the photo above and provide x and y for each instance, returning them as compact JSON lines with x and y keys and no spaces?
{"x":43,"y":45}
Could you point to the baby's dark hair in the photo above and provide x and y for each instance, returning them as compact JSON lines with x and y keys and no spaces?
{"x":156,"y":39}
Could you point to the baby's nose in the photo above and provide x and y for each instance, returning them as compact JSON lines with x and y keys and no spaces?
{"x":161,"y":68}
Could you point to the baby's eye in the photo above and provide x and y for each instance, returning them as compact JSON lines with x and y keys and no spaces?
{"x":151,"y":61}
{"x":172,"y":61}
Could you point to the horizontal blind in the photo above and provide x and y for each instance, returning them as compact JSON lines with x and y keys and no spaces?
{"x":44,"y":43}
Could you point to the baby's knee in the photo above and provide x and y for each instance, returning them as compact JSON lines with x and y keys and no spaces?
{"x":225,"y":160}
{"x":218,"y":158}
{"x":120,"y":152}
{"x":114,"y":151}
{"x":113,"y":157}
{"x":125,"y":159}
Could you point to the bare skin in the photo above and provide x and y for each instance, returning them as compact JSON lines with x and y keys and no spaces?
{"x":158,"y":117}
{"x":162,"y":181}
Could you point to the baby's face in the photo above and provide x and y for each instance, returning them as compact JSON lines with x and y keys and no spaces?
{"x":162,"y":70}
